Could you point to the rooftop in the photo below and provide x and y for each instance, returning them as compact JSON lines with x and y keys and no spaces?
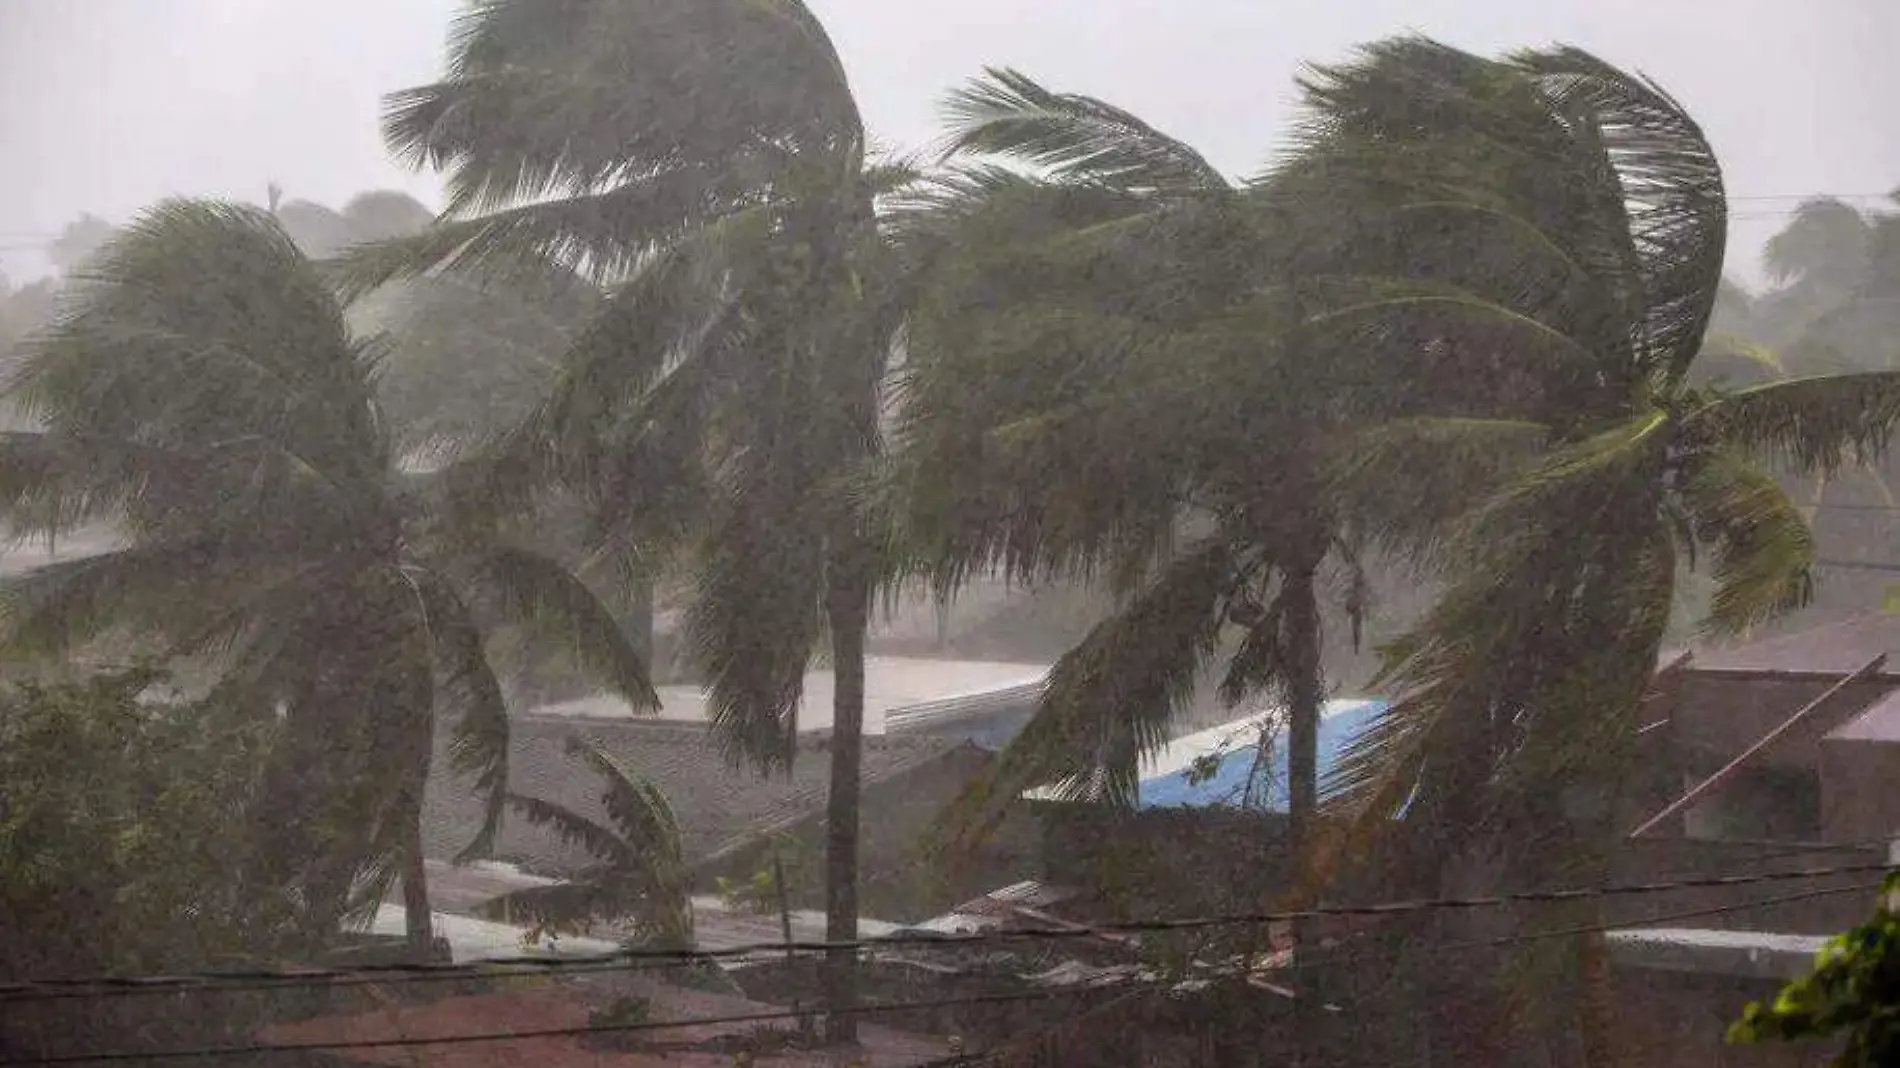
{"x":718,"y":806}
{"x":1220,"y":766}
{"x":891,"y":685}
{"x":1831,"y":649}
{"x":471,"y":939}
{"x":1746,"y":954}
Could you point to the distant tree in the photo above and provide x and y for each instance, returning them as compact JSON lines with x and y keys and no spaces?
{"x":381,"y":214}
{"x":638,"y":875}
{"x":319,"y":232}
{"x":205,"y":394}
{"x":77,"y":242}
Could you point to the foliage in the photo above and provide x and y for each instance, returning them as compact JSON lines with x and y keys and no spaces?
{"x":638,"y":873}
{"x":205,"y":394}
{"x":788,"y":857}
{"x":1853,"y":990}
{"x":728,"y":379}
{"x":115,"y":810}
{"x":1111,"y":378}
{"x":78,"y":241}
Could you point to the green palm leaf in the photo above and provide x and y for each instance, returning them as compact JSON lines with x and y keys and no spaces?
{"x":467,"y":688}
{"x":1671,"y":187}
{"x":1763,"y":549}
{"x":538,"y":591}
{"x":1819,"y":423}
{"x":1111,"y":698}
{"x":1074,"y":137}
{"x":1403,"y":483}
{"x":558,"y":79}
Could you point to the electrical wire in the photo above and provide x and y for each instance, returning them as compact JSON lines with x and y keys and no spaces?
{"x":884,"y":1007}
{"x":562,"y":1032}
{"x":50,"y":988}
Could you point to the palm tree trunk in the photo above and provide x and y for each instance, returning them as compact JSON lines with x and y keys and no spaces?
{"x":1305,"y":704}
{"x":417,"y":930}
{"x":848,"y":610}
{"x":1599,"y":1004}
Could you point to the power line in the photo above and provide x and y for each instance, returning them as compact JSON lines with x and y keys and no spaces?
{"x":565,"y":1032}
{"x":885,"y":1007}
{"x":502,"y":967}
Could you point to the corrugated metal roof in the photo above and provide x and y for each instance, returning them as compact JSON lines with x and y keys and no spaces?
{"x":905,"y":687}
{"x":1220,"y":766}
{"x":1747,"y":954}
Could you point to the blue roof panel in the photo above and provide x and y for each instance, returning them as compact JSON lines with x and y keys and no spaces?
{"x":1228,"y":786}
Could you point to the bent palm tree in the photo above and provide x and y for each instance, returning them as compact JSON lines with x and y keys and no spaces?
{"x":1112,"y":375}
{"x":204,"y":393}
{"x":1569,"y":217}
{"x":638,"y":873}
{"x":706,"y":162}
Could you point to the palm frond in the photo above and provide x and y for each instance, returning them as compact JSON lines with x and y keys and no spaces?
{"x":1763,"y":549}
{"x":640,"y":812}
{"x":756,"y":614}
{"x":602,"y":237}
{"x":1073,"y":137}
{"x":1402,"y":483}
{"x":536,"y":100}
{"x":576,"y":829}
{"x":1672,"y":185}
{"x":204,"y":333}
{"x":646,"y":823}
{"x":53,"y":609}
{"x":466,"y":686}
{"x":1356,"y":301}
{"x":1818,"y":423}
{"x":539,"y":592}
{"x":1111,"y":699}
{"x":568,"y":908}
{"x":1583,"y":479}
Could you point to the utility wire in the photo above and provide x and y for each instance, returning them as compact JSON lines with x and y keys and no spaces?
{"x":563,"y":1032}
{"x":45,"y":988}
{"x":884,"y":1007}
{"x":1335,"y":959}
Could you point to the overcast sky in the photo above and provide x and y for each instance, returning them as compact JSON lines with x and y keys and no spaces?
{"x":108,"y":105}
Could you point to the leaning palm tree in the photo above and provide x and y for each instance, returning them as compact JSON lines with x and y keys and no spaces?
{"x":1570,"y":218}
{"x":638,"y":875}
{"x":706,"y":163}
{"x":203,"y":392}
{"x":1117,"y":371}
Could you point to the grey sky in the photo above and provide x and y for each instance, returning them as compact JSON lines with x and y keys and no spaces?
{"x":108,"y":105}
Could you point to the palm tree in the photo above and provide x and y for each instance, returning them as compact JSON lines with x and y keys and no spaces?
{"x":638,"y":874}
{"x":204,"y":393}
{"x":1571,"y":217}
{"x":1118,"y":371}
{"x":706,"y":162}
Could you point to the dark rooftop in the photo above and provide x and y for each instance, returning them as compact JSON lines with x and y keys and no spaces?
{"x":718,"y":806}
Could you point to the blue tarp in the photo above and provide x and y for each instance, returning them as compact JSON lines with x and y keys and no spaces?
{"x":1228,"y":785}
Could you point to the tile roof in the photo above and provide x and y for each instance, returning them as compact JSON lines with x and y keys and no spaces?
{"x":718,"y":807}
